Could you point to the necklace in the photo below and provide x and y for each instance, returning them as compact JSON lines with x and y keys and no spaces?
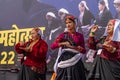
{"x":107,"y":40}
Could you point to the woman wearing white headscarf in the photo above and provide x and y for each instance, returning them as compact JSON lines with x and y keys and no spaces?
{"x":85,"y":16}
{"x":102,"y":17}
{"x":117,"y":7}
{"x":62,"y":13}
{"x":106,"y":65}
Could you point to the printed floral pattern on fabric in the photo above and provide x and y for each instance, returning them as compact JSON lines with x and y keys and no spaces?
{"x":90,"y":55}
{"x":40,"y":70}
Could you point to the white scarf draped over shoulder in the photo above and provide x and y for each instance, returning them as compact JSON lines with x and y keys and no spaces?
{"x":116,"y":32}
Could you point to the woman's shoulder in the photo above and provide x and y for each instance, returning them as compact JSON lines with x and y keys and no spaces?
{"x":88,"y":12}
{"x":76,"y":33}
{"x":42,"y":41}
{"x":106,"y":11}
{"x":63,"y":33}
{"x":116,"y":42}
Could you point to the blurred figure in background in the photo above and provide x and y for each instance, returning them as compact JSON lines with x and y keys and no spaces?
{"x":117,"y":7}
{"x":62,"y":14}
{"x":85,"y":19}
{"x":52,"y":30}
{"x":102,"y":18}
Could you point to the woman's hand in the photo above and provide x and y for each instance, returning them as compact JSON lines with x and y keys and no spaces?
{"x":24,"y":49}
{"x":94,"y":28}
{"x":22,"y":43}
{"x":67,"y":44}
{"x":79,"y":48}
{"x":109,"y":48}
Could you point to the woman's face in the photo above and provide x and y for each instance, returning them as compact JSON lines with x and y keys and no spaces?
{"x":100,"y":7}
{"x":61,"y":15}
{"x":70,"y":25}
{"x":110,"y":27}
{"x":81,"y":8}
{"x":34,"y":35}
{"x":49,"y":18}
{"x":117,"y":7}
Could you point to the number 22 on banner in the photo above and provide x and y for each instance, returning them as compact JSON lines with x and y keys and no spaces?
{"x":5,"y":57}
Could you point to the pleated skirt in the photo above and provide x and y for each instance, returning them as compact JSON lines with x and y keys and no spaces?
{"x":103,"y":69}
{"x":75,"y":72}
{"x":26,"y":73}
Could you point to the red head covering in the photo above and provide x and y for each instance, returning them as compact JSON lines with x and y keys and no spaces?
{"x":113,"y":21}
{"x":70,"y":17}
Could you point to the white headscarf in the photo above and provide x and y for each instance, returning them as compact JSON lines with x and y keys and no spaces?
{"x":116,"y":32}
{"x":84,"y":3}
{"x":40,"y":33}
{"x":106,"y":4}
{"x":51,"y":14}
{"x":116,"y":1}
{"x":63,"y":10}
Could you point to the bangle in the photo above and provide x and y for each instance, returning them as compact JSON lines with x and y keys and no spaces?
{"x":93,"y":33}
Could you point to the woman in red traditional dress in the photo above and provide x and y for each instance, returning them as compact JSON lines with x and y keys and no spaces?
{"x":106,"y":65}
{"x":70,"y":66}
{"x":34,"y":60}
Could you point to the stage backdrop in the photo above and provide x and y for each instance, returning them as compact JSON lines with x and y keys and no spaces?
{"x":18,"y":17}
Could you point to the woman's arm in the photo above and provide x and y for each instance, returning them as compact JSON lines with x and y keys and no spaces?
{"x":80,"y":44}
{"x":57,"y":43}
{"x":18,"y":47}
{"x":21,"y":47}
{"x":112,"y":49}
{"x":91,"y":40}
{"x":91,"y":43}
